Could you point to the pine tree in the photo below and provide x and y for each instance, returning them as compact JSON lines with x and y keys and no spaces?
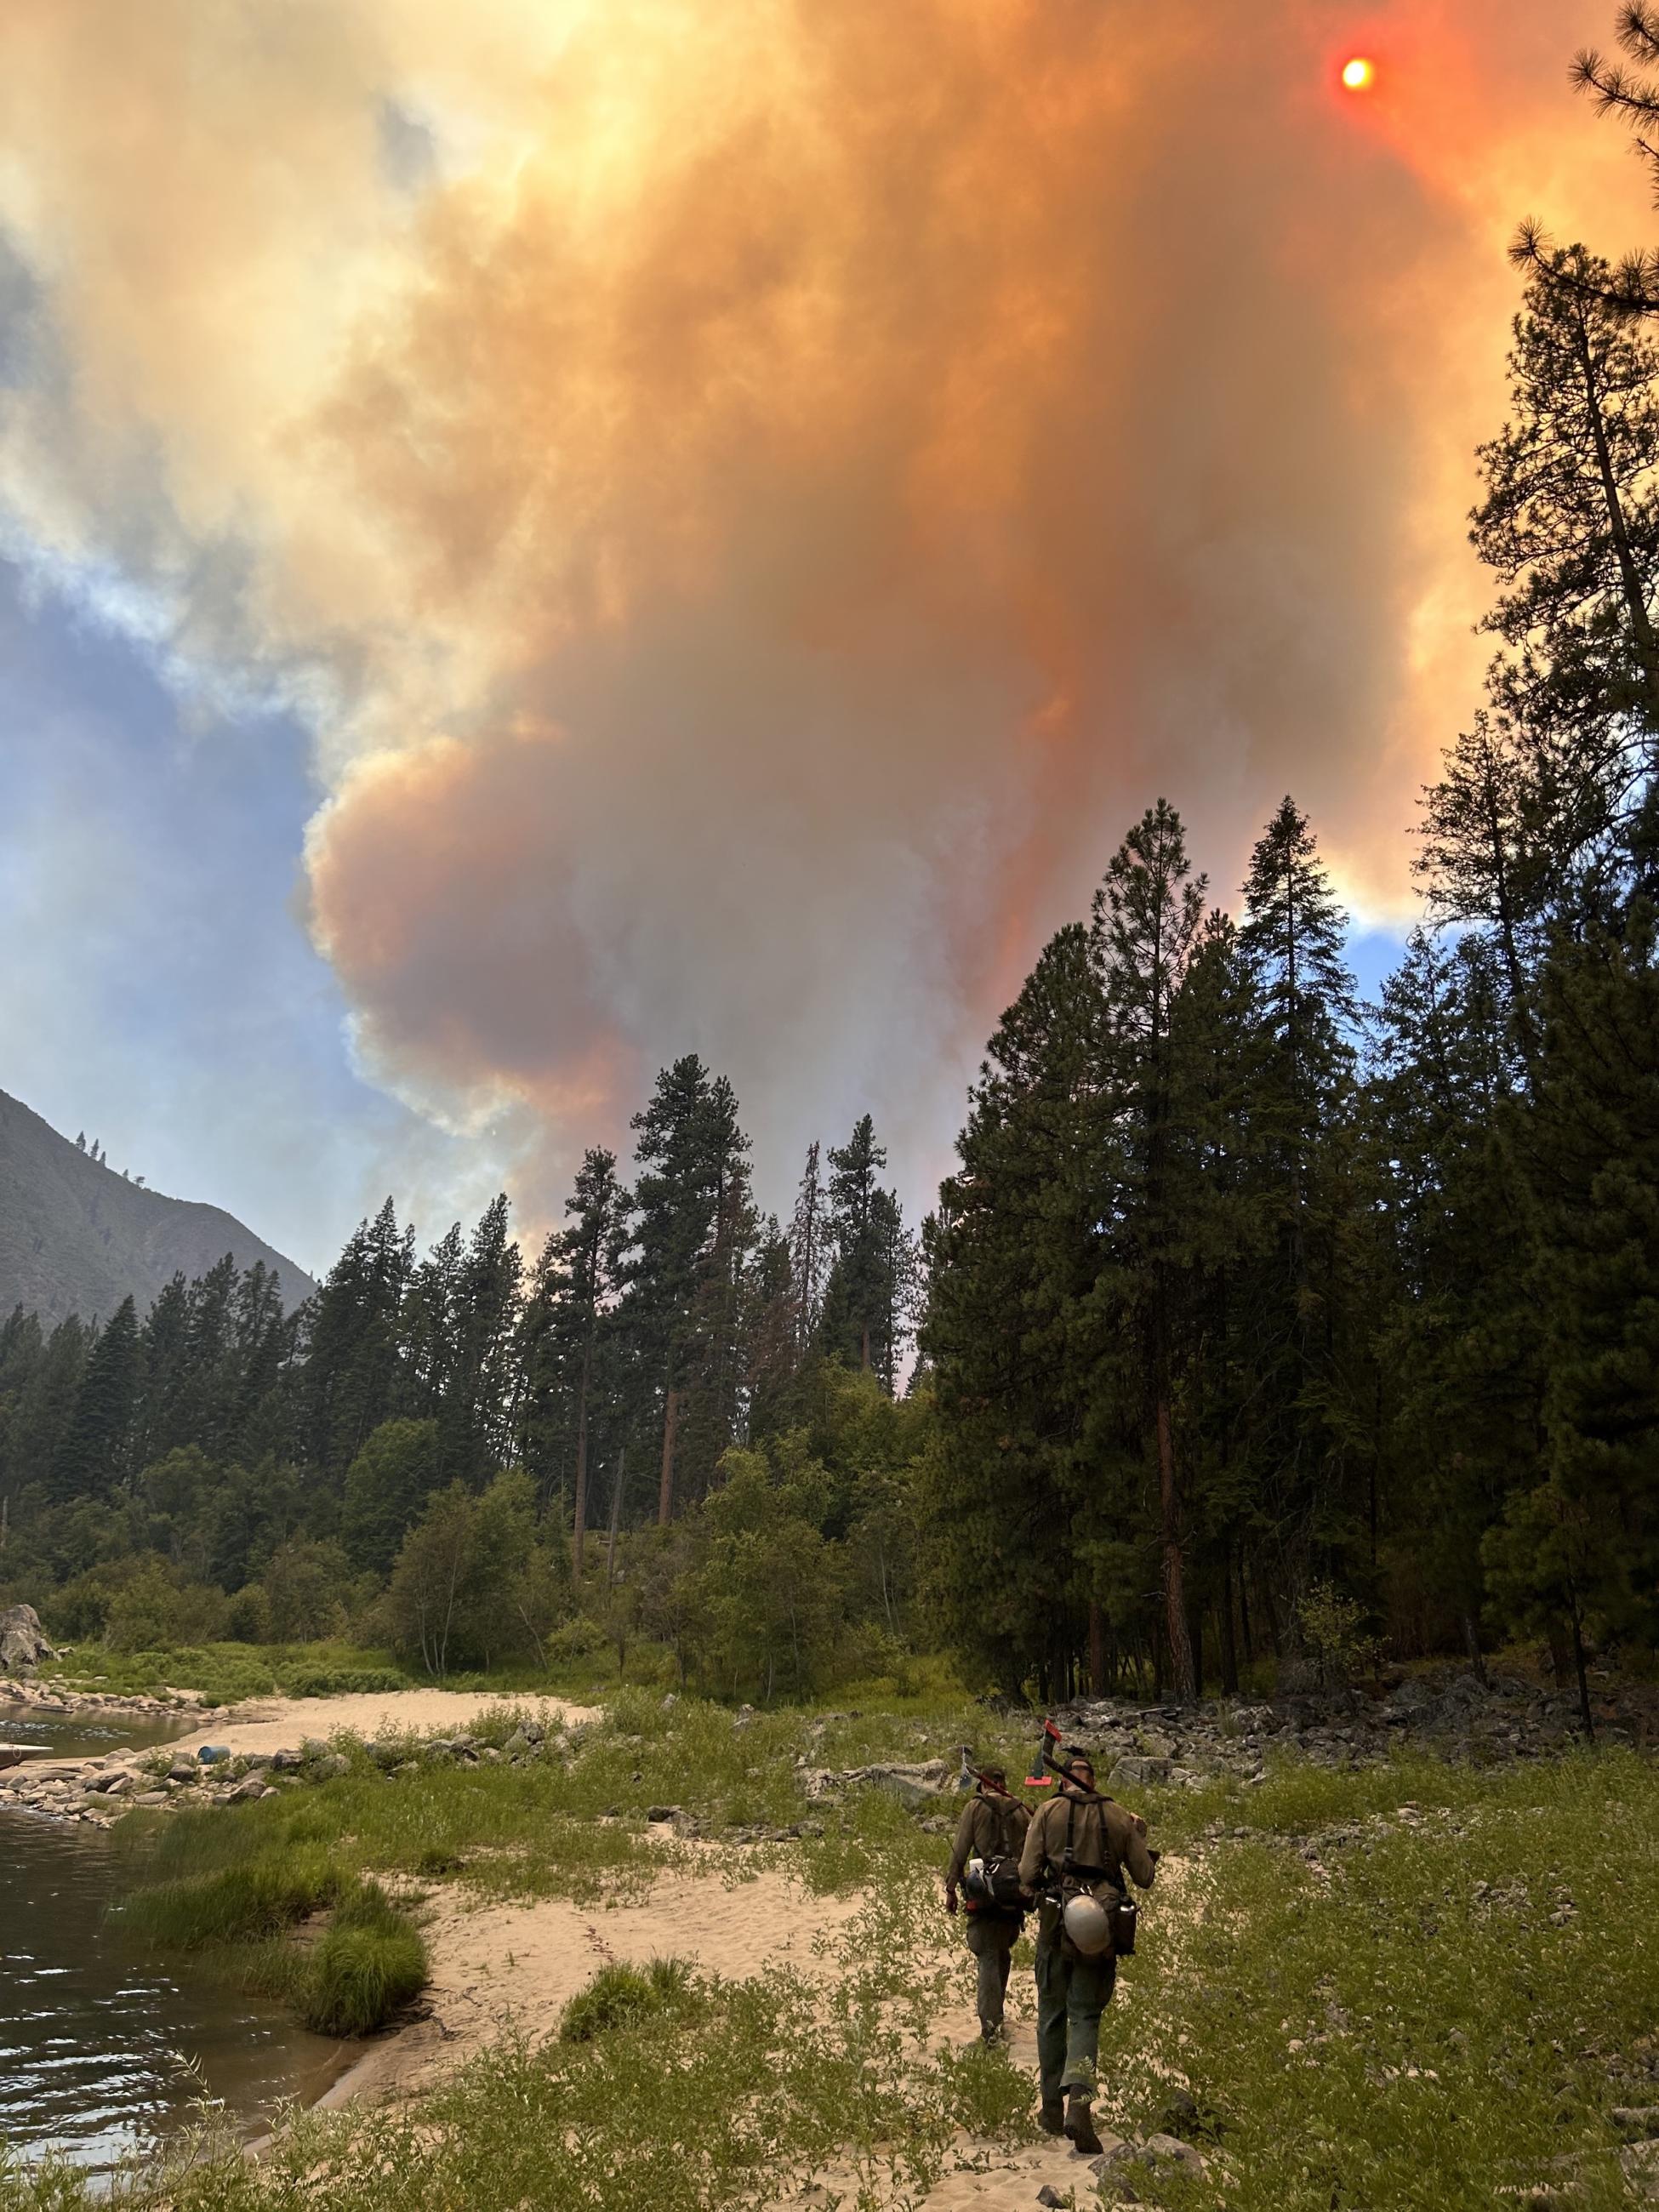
{"x":475,"y":1415}
{"x":1492,"y":834}
{"x":1146,"y":918}
{"x":1016,"y":1513}
{"x":808,"y":1243}
{"x":692,"y":1156}
{"x":864,"y":1312}
{"x":429,"y":1328}
{"x":716,"y":1357}
{"x":354,"y":1369}
{"x":1457,"y":1327}
{"x":45,"y":1404}
{"x":1592,"y":1151}
{"x":567,"y":1353}
{"x":1570,"y":522}
{"x":159,"y":1421}
{"x":93,"y":1456}
{"x":1292,"y":939}
{"x":1214,"y":1198}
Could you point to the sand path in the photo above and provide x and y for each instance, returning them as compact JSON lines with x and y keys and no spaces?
{"x":282,"y":1723}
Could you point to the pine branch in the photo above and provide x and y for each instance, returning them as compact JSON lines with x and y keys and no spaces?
{"x":1634,"y":289}
{"x":1638,"y":32}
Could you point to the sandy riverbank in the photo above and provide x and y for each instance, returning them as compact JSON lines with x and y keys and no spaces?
{"x":500,"y":1969}
{"x":268,"y":1724}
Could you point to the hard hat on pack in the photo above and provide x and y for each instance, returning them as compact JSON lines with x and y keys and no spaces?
{"x":1089,"y":1925}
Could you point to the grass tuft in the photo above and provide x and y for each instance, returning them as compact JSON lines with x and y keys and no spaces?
{"x":358,"y":1977}
{"x":619,"y":1997}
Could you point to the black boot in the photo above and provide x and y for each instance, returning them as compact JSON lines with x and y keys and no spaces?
{"x":1052,"y":2119}
{"x":1079,"y":2123}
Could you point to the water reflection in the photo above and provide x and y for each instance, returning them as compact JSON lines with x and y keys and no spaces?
{"x":102,"y":2050}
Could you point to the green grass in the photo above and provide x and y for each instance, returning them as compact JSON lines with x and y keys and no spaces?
{"x":369,"y":1964}
{"x":618,"y":1995}
{"x":1374,"y":1980}
{"x":243,"y":1903}
{"x":199,"y":1889}
{"x":1408,"y":2021}
{"x":224,"y":1673}
{"x":572,"y":1823}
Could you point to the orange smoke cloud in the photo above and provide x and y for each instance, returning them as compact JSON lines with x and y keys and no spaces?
{"x":752,"y":495}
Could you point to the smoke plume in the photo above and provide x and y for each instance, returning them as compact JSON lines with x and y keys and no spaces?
{"x":751,"y":496}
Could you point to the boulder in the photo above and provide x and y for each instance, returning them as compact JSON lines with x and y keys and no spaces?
{"x":1141,"y":1771}
{"x":1138,"y":2161}
{"x":23,"y":1643}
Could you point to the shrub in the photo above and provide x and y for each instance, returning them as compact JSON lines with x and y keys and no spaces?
{"x":1331,"y":1631}
{"x":323,"y":1680}
{"x":248,"y":1616}
{"x":618,"y":1995}
{"x":359,"y":1975}
{"x":579,"y":1639}
{"x":153,"y":1611}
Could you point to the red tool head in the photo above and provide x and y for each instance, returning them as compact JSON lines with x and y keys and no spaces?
{"x":1042,"y":1779}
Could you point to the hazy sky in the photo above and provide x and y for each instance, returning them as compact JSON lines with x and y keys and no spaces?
{"x":536,"y":538}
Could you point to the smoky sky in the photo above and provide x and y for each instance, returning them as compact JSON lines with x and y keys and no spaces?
{"x":748,"y":497}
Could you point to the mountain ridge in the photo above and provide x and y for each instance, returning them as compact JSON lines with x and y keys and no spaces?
{"x":76,"y":1237}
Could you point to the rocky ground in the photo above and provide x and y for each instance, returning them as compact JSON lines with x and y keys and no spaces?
{"x":1456,"y":1715}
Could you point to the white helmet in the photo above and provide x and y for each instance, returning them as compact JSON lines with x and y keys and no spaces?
{"x":1089,"y":1925}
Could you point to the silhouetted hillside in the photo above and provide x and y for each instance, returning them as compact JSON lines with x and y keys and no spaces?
{"x":76,"y":1237}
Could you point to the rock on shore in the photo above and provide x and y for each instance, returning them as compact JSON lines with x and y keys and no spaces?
{"x":23,"y":1643}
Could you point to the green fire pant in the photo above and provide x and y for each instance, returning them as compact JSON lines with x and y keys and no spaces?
{"x":991,"y":1938}
{"x":1072,"y":1993}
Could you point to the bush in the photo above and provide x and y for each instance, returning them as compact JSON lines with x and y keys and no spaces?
{"x":618,"y":1995}
{"x":322,"y":1681}
{"x":248,"y":1616}
{"x":370,"y":1963}
{"x":1330,"y":1632}
{"x":580,"y":1638}
{"x":153,"y":1610}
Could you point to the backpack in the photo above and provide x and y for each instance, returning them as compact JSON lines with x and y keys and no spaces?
{"x":993,"y":1885}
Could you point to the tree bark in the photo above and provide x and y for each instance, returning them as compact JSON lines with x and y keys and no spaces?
{"x":1647,"y":646}
{"x":1097,"y":1649}
{"x":671,"y":1414}
{"x":616,"y":1518}
{"x":1175,"y":1597}
{"x":1229,"y":1637}
{"x":1585,"y":1714}
{"x":578,"y":1512}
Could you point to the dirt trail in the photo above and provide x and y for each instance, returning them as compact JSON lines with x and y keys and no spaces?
{"x":502,"y":1968}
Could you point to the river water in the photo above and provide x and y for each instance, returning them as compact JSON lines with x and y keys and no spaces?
{"x":106,"y":2047}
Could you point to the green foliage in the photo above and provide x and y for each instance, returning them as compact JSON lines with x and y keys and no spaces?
{"x":211,"y":1886}
{"x":1333,"y":1635}
{"x":369,"y":1964}
{"x":1446,"y":2004}
{"x":619,"y":1997}
{"x":225,"y":1673}
{"x":472,"y":1580}
{"x":243,"y":1903}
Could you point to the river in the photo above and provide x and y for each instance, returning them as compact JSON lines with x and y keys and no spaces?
{"x":105,"y":2047}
